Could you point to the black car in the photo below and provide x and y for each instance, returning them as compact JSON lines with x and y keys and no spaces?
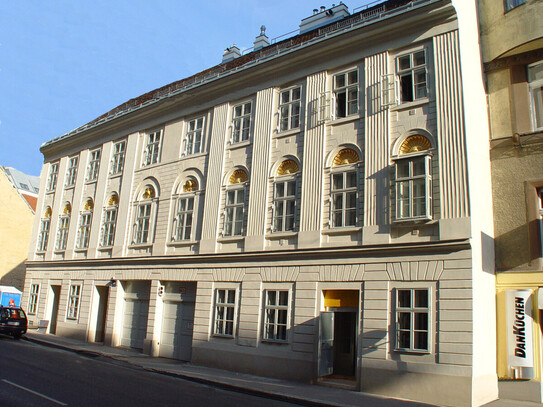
{"x":13,"y":321}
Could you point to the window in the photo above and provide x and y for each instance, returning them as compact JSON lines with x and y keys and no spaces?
{"x":193,"y":139}
{"x":71,"y":173}
{"x":411,"y":70}
{"x":511,"y":4}
{"x":151,"y":154}
{"x":540,"y":200}
{"x":413,"y":187}
{"x":117,"y":159}
{"x":24,"y":186}
{"x":143,"y":212}
{"x":225,"y":305}
{"x":241,"y":122}
{"x":234,"y":212}
{"x":45,"y":225}
{"x":183,"y":218}
{"x":73,"y":301}
{"x":33,"y":299}
{"x":276,"y":315}
{"x":52,"y":178}
{"x":63,"y":226}
{"x":344,"y":189}
{"x":289,"y":109}
{"x":85,"y":219}
{"x":413,"y":320}
{"x":346,"y":93}
{"x":94,"y":165}
{"x":109,"y":222}
{"x":284,"y":205}
{"x":535,"y":77}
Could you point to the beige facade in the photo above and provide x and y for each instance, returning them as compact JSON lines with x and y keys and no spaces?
{"x":307,"y":213}
{"x":512,"y":49}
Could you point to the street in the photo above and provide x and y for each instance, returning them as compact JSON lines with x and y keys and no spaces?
{"x":34,"y":375}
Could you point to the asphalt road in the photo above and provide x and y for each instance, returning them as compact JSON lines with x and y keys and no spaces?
{"x":35,"y":375}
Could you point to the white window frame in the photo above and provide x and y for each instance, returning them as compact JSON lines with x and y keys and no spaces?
{"x":540,"y":209}
{"x":221,"y":318}
{"x":62,"y":232}
{"x":271,"y":322}
{"x":344,"y":193}
{"x":33,"y":299}
{"x":117,"y":158}
{"x":536,"y":96}
{"x":241,"y":122}
{"x":183,"y":222}
{"x":83,"y":231}
{"x":94,"y":165}
{"x":108,"y":226}
{"x":343,"y":93}
{"x":142,"y":222}
{"x":153,"y":147}
{"x":194,"y":137}
{"x":74,"y":301}
{"x":52,"y":177}
{"x":43,"y":237}
{"x":237,"y":210}
{"x":409,"y":327}
{"x":71,"y":172}
{"x":290,"y":108}
{"x":410,"y":180}
{"x":411,"y":75}
{"x":280,"y":208}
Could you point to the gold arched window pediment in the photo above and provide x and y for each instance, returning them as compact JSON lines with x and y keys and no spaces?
{"x":345,"y":156}
{"x":287,"y":167}
{"x":238,"y":177}
{"x":149,"y":193}
{"x":89,"y":205}
{"x":190,"y":186}
{"x":48,"y":212}
{"x":113,"y":200}
{"x":413,"y":144}
{"x":67,"y":209}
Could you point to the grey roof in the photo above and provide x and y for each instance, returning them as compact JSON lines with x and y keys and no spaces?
{"x":22,"y":181}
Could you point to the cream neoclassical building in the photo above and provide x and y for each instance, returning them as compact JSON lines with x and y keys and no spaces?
{"x":316,"y":209}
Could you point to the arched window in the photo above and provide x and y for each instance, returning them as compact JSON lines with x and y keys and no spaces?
{"x":235,"y":205}
{"x":85,"y":219}
{"x":184,"y":211}
{"x":285,"y":197}
{"x":109,"y":221}
{"x":413,"y":179}
{"x":145,"y":211}
{"x":63,"y":227}
{"x":45,"y":225}
{"x":344,"y":189}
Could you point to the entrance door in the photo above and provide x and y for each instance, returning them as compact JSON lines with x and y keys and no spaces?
{"x":176,"y":340}
{"x":103,"y":294}
{"x":136,"y":309}
{"x":55,"y":293}
{"x":326,"y":344}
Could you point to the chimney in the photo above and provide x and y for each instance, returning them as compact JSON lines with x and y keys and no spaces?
{"x":231,"y":53}
{"x":262,"y":40}
{"x":324,"y":17}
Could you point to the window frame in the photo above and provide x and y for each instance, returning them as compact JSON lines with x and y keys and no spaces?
{"x":52,"y":177}
{"x":140,"y":220}
{"x":235,"y":207}
{"x":33,"y":299}
{"x":73,"y":304}
{"x":277,"y":307}
{"x":411,"y":72}
{"x":284,"y":200}
{"x":412,"y":309}
{"x":193,"y":133}
{"x":153,"y":148}
{"x":228,"y":288}
{"x":62,"y":232}
{"x":536,"y":86}
{"x":118,"y":155}
{"x":71,"y":172}
{"x":93,"y":166}
{"x":84,"y":229}
{"x":344,"y":170}
{"x":245,"y":121}
{"x":107,"y":238}
{"x":345,"y":90}
{"x":411,"y":179}
{"x":43,"y":236}
{"x":179,"y":214}
{"x":289,"y":117}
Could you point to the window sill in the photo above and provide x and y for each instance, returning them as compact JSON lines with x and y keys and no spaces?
{"x":231,"y":238}
{"x":91,"y":181}
{"x":104,"y":248}
{"x":413,"y":221}
{"x":286,"y":133}
{"x":140,"y":246}
{"x":241,"y":144}
{"x":410,"y":105}
{"x":56,"y":251}
{"x":116,"y":175}
{"x":341,"y":230}
{"x":68,"y":187}
{"x":281,"y":235}
{"x":346,"y":119}
{"x":223,"y":336}
{"x":413,"y":351}
{"x":276,"y":341}
{"x":81,"y":250}
{"x":180,"y":243}
{"x":49,"y":192}
{"x":195,"y":155}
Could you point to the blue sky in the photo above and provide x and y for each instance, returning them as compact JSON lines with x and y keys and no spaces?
{"x":64,"y":63}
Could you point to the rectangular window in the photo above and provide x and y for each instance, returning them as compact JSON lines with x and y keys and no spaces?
{"x":108,"y":226}
{"x":413,"y":185}
{"x":346,"y":93}
{"x":43,"y":237}
{"x":411,"y":71}
{"x":289,"y":108}
{"x":52,"y":178}
{"x":234,"y":212}
{"x":276,"y":315}
{"x":183,"y":218}
{"x":73,"y":301}
{"x":193,"y":139}
{"x":241,"y":122}
{"x":535,"y":78}
{"x":71,"y":173}
{"x":540,"y":199}
{"x":94,"y":165}
{"x":343,"y":196}
{"x":225,"y":306}
{"x":143,"y":223}
{"x":511,"y":4}
{"x":117,"y":159}
{"x":151,"y":154}
{"x":284,"y":205}
{"x":413,"y":320}
{"x":83,"y":233}
{"x":62,"y":234}
{"x":33,"y":299}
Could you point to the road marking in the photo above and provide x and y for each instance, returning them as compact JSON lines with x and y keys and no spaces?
{"x":34,"y":392}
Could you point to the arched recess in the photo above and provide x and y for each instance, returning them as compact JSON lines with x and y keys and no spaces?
{"x":344,"y":154}
{"x":148,"y":189}
{"x":286,"y":165}
{"x":237,"y":175}
{"x":191,"y":180}
{"x":413,"y":141}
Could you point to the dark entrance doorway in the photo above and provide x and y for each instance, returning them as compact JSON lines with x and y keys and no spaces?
{"x":103,"y":294}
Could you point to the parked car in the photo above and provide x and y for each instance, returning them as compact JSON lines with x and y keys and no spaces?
{"x":13,"y":321}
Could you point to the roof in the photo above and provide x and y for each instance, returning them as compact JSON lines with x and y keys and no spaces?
{"x":26,"y":185}
{"x":368,"y":14}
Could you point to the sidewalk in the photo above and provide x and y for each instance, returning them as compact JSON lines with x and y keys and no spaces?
{"x":295,"y":392}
